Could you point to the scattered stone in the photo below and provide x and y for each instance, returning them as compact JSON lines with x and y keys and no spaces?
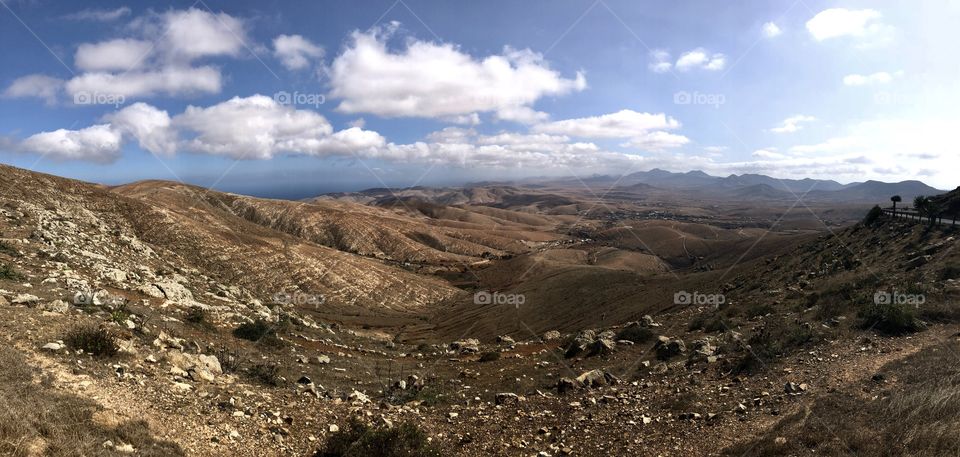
{"x":668,"y":348}
{"x":53,"y":347}
{"x":505,"y":340}
{"x":467,"y":346}
{"x":505,"y":398}
{"x":323,"y":359}
{"x":597,"y":378}
{"x":25,"y":299}
{"x":551,"y":335}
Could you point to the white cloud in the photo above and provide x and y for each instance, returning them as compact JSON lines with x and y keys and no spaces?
{"x":793,"y":124}
{"x":171,"y":80}
{"x":40,"y":86}
{"x":427,"y":79}
{"x":644,"y":131}
{"x":660,"y":61}
{"x":622,"y":124}
{"x":880,"y":77}
{"x":120,"y":54}
{"x":258,"y":127}
{"x":97,"y":143}
{"x":771,"y":30}
{"x":295,"y":51}
{"x":702,"y":59}
{"x":99,"y":15}
{"x":839,"y":22}
{"x":194,"y":33}
{"x":149,"y":125}
{"x":160,"y":59}
{"x":768,"y":154}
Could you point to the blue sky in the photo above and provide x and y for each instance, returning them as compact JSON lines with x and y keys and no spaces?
{"x":296,"y":98}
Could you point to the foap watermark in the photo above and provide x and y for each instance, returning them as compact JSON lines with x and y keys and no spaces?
{"x":697,"y":299}
{"x":99,"y":298}
{"x":496,"y":298}
{"x":298,"y":299}
{"x":883,"y":297}
{"x":299,"y":99}
{"x":98,"y":98}
{"x":698,"y":98}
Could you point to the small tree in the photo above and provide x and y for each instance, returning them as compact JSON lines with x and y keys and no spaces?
{"x":895,"y":199}
{"x":921,"y":205}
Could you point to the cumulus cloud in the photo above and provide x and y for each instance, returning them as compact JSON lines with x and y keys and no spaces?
{"x":255,"y":127}
{"x":258,"y":127}
{"x":660,"y":61}
{"x":840,"y":22}
{"x":438,"y":80}
{"x":194,"y":33}
{"x":160,"y":58}
{"x":295,"y":51}
{"x":880,"y":77}
{"x":170,"y":80}
{"x":120,"y":54}
{"x":771,"y":30}
{"x":99,"y":15}
{"x":701,"y":59}
{"x":793,"y":124}
{"x":39,"y":86}
{"x":643,"y":130}
{"x":150,"y":126}
{"x":97,"y":143}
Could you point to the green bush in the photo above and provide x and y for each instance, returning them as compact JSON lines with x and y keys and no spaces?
{"x":872,"y":216}
{"x":8,"y":249}
{"x":635,"y":333}
{"x":92,"y":339}
{"x":490,"y":356}
{"x":358,"y":439}
{"x":889,"y":318}
{"x":7,"y":272}
{"x":775,"y":339}
{"x":267,"y":374}
{"x":257,"y":331}
{"x":950,"y":272}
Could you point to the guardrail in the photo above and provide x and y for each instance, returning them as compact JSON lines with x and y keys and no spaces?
{"x":915,"y":216}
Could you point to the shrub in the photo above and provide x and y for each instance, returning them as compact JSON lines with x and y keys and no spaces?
{"x":950,"y":272}
{"x":757,"y":310}
{"x":490,"y":356}
{"x":7,"y":272}
{"x":358,"y":439}
{"x":92,"y":339}
{"x":8,"y":249}
{"x":872,"y":216}
{"x":198,"y":316}
{"x":775,"y":339}
{"x":257,"y":331}
{"x":267,"y":374}
{"x":229,"y":360}
{"x":635,"y":333}
{"x":889,"y":318}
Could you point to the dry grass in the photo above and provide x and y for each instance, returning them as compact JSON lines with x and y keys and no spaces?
{"x":36,"y":419}
{"x":917,"y":415}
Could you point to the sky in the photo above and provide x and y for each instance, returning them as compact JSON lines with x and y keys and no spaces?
{"x":295,"y":98}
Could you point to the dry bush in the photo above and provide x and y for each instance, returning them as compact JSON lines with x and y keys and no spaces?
{"x":39,"y":420}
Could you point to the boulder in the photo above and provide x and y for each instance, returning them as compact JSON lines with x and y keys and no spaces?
{"x":56,"y":306}
{"x":469,"y":345}
{"x":505,"y":340}
{"x":602,"y":346}
{"x":647,"y":321}
{"x":565,"y":385}
{"x":579,"y":343}
{"x":506,"y":398}
{"x":596,"y":378}
{"x":551,"y":335}
{"x":25,"y":299}
{"x":667,"y":348}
